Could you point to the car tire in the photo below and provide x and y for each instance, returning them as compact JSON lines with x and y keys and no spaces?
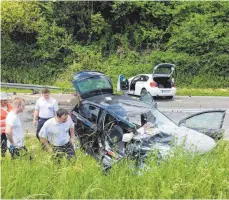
{"x":143,"y":92}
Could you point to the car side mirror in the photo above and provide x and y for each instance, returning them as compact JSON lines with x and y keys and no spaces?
{"x":123,"y":84}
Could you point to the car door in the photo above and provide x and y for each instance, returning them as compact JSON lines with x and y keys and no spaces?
{"x":140,"y":84}
{"x":208,"y":122}
{"x":133,"y":83}
{"x":123,"y":84}
{"x":86,"y":126}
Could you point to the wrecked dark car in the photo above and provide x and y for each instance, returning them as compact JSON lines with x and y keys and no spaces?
{"x":111,"y":127}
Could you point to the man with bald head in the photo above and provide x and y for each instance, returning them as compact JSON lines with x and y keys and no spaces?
{"x":14,"y":132}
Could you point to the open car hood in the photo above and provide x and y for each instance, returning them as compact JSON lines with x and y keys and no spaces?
{"x":163,"y":70}
{"x":92,"y":83}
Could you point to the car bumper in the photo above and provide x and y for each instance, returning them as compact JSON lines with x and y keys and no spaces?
{"x":164,"y":92}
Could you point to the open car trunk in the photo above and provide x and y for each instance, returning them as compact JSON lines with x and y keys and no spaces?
{"x":163,"y":82}
{"x":162,"y":75}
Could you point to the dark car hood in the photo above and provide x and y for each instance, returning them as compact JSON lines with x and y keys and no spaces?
{"x":130,"y":105}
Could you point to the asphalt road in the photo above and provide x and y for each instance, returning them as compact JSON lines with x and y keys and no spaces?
{"x":176,"y":109}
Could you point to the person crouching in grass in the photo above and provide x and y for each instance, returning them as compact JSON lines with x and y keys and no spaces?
{"x":58,"y":136}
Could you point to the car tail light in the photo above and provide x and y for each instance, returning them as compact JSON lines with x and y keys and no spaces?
{"x":153,"y":84}
{"x":173,"y":85}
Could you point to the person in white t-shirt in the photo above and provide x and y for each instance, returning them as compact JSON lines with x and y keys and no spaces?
{"x":45,"y":108}
{"x":14,"y":132}
{"x":57,"y":134}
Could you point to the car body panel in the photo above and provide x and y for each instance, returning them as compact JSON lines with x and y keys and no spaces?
{"x":162,"y":92}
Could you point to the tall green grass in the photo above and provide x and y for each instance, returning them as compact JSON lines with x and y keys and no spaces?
{"x":181,"y":176}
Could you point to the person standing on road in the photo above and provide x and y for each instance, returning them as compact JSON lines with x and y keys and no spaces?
{"x":57,"y":134}
{"x":45,"y":108}
{"x":5,"y":109}
{"x":14,"y":132}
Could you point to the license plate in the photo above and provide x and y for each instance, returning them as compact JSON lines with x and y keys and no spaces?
{"x":165,"y":91}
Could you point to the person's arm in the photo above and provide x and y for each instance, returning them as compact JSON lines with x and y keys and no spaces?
{"x":36,"y":113}
{"x":72,"y":135}
{"x":56,"y":107}
{"x":9,"y":133}
{"x":35,"y":117}
{"x":46,"y":144}
{"x":43,"y":136}
{"x":10,"y":120}
{"x":72,"y":130}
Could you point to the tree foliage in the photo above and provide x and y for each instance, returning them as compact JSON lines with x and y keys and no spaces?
{"x":46,"y":42}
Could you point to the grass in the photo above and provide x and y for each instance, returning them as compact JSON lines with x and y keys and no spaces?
{"x":203,"y":91}
{"x":181,"y":176}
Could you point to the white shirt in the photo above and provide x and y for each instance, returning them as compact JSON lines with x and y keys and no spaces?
{"x":46,"y":108}
{"x":56,"y":133}
{"x":13,"y":120}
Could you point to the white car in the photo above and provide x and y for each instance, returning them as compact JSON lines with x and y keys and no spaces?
{"x":159,"y":83}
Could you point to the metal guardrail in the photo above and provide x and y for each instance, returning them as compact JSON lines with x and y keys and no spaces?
{"x":34,"y":88}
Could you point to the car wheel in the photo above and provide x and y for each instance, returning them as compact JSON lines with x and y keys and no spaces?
{"x":143,"y":92}
{"x":169,"y":97}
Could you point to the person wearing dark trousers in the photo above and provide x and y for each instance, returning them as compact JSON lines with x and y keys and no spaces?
{"x":5,"y":109}
{"x":14,"y":131}
{"x":3,"y":144}
{"x":45,"y":109}
{"x":18,"y":152}
{"x":55,"y":135}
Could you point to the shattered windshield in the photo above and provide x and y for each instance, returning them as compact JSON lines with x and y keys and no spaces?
{"x":161,"y":119}
{"x":140,"y":113}
{"x":153,"y":116}
{"x":93,"y":83}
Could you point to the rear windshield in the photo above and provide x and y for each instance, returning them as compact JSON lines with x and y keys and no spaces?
{"x":163,"y":70}
{"x":93,"y":83}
